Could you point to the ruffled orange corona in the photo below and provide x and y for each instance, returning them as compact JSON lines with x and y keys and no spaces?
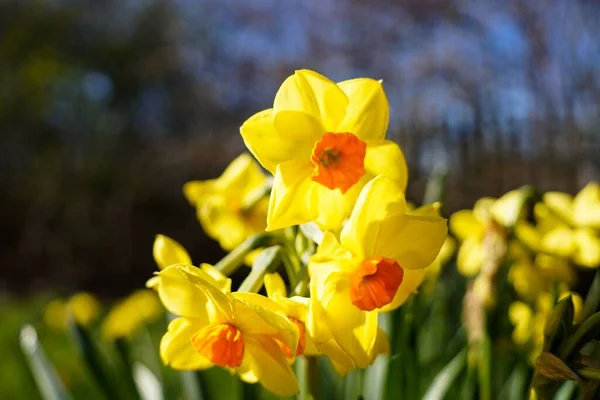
{"x":374,"y":283}
{"x":223,"y":344}
{"x":339,"y":160}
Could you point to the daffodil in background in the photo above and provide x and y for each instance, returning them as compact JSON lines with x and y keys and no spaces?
{"x":83,"y":307}
{"x":323,"y":142}
{"x":234,"y":206}
{"x":131,"y":314}
{"x":573,"y":225}
{"x":216,"y":328}
{"x":488,"y":216}
{"x":378,"y":261}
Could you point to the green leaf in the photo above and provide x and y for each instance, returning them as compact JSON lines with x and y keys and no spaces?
{"x":46,"y":378}
{"x":267,"y":261}
{"x":232,"y":261}
{"x":592,"y":300}
{"x":93,"y":360}
{"x":192,"y":384}
{"x":559,"y":325}
{"x":218,"y":383}
{"x":148,"y":385}
{"x":443,"y":381}
{"x":127,"y":380}
{"x":587,"y":331}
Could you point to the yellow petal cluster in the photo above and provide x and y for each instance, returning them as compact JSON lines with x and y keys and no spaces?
{"x":284,"y":138}
{"x":233,"y":206}
{"x":378,"y":227}
{"x":324,"y":143}
{"x":572,"y":225}
{"x":201,"y":305}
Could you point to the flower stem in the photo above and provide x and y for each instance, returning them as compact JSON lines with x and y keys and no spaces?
{"x":232,"y":261}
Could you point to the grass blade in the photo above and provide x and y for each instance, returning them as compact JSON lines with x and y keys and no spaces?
{"x":46,"y":378}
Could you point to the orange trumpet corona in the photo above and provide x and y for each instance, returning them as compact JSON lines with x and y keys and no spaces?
{"x":374,"y":283}
{"x":223,"y":344}
{"x":338,"y":160}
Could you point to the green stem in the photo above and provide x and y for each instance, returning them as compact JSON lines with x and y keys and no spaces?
{"x":592,"y":300}
{"x":301,"y":369}
{"x":124,"y":353}
{"x":484,"y":365}
{"x":232,"y":261}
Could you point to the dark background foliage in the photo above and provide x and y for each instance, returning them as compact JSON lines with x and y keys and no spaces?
{"x":108,"y":107}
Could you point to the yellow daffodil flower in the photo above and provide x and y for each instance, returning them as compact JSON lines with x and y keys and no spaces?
{"x":378,"y":261}
{"x":83,"y":306}
{"x":129,"y":315}
{"x":323,"y":142}
{"x":472,"y":226}
{"x":217,"y":328}
{"x":570,"y":228}
{"x":234,"y":206}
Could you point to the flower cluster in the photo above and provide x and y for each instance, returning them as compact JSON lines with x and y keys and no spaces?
{"x":335,"y":220}
{"x":543,"y":240}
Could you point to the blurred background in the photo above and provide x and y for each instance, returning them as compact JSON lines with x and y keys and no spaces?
{"x":108,"y":108}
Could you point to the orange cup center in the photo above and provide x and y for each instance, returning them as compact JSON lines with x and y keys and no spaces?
{"x":338,"y":160}
{"x":223,"y":344}
{"x":374,"y":283}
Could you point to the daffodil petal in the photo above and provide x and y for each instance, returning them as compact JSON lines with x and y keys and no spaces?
{"x":559,"y":241}
{"x":242,"y":176}
{"x":267,"y":145}
{"x":414,"y":241}
{"x":332,"y":207}
{"x":315,"y":95}
{"x":219,"y":222}
{"x":167,"y":251}
{"x":586,"y":206}
{"x":195,"y":191}
{"x":176,"y":349}
{"x":411,"y":281}
{"x":269,"y":365}
{"x":507,"y":209}
{"x":464,"y":224}
{"x":587,"y":252}
{"x":353,"y":330}
{"x":292,"y":195}
{"x":367,"y":114}
{"x":188,"y":291}
{"x":274,"y":285}
{"x":560,"y":204}
{"x":470,"y":257}
{"x":256,"y":314}
{"x":384,"y":157}
{"x":379,"y":199}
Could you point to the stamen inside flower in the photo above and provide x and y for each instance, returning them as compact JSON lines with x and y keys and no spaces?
{"x":338,"y":160}
{"x":223,"y":344}
{"x":374,"y":283}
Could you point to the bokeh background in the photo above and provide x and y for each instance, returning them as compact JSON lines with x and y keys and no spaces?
{"x":108,"y":107}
